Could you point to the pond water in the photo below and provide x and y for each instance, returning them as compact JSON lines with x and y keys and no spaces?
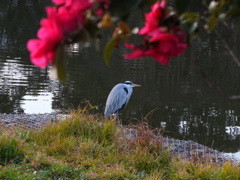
{"x":188,"y":97}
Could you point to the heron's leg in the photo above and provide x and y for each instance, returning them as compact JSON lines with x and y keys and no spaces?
{"x":117,"y":115}
{"x":118,"y":118}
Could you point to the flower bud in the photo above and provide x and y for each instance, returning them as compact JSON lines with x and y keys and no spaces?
{"x":212,"y":6}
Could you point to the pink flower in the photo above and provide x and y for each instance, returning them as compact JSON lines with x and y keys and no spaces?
{"x":56,"y":28}
{"x":100,"y":7}
{"x":43,"y":49}
{"x":81,"y":5}
{"x":59,"y":2}
{"x":42,"y":52}
{"x":70,"y":20}
{"x":170,"y":43}
{"x":153,"y":18}
{"x":50,"y":30}
{"x":71,"y":16}
{"x":160,"y":42}
{"x":161,"y":47}
{"x":66,"y":3}
{"x":63,"y":23}
{"x":100,"y":12}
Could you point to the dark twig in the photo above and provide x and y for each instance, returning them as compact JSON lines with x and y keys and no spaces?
{"x":150,"y":113}
{"x":231,"y":53}
{"x":212,"y":85}
{"x":234,"y":57}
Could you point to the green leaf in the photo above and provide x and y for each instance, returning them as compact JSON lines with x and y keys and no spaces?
{"x":187,"y":18}
{"x":193,"y":27}
{"x":60,"y":63}
{"x":190,"y":15}
{"x":212,"y":22}
{"x":233,"y":12}
{"x":181,"y":6}
{"x":108,"y":51}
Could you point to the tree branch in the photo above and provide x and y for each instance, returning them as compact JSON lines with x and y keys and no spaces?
{"x":231,"y":53}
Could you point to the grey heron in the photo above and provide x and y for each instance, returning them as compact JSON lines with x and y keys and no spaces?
{"x":118,"y":98}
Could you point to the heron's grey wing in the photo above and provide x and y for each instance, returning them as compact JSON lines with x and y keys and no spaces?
{"x":116,"y":100}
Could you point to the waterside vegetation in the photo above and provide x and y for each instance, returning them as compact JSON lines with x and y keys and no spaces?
{"x":86,"y":146}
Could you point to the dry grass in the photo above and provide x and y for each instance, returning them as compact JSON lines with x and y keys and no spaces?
{"x":89,"y":147}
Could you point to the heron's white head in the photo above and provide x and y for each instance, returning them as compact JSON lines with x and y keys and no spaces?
{"x":129,"y":83}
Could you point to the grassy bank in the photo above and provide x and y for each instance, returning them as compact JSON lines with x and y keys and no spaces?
{"x":89,"y":147}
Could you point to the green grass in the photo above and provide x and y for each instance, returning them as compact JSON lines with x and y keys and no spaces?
{"x":89,"y":147}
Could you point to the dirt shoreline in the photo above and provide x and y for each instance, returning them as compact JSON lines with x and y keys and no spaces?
{"x":188,"y":150}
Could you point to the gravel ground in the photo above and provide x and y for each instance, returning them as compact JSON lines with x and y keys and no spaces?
{"x":29,"y":120}
{"x":188,"y":150}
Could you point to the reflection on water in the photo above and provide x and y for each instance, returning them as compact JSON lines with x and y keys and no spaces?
{"x":42,"y":103}
{"x":175,"y":97}
{"x":233,"y":131}
{"x":208,"y":127}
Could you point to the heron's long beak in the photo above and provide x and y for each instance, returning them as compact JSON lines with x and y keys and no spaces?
{"x":137,"y":85}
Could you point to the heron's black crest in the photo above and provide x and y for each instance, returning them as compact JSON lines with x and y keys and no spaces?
{"x":128,"y":82}
{"x":125,"y":89}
